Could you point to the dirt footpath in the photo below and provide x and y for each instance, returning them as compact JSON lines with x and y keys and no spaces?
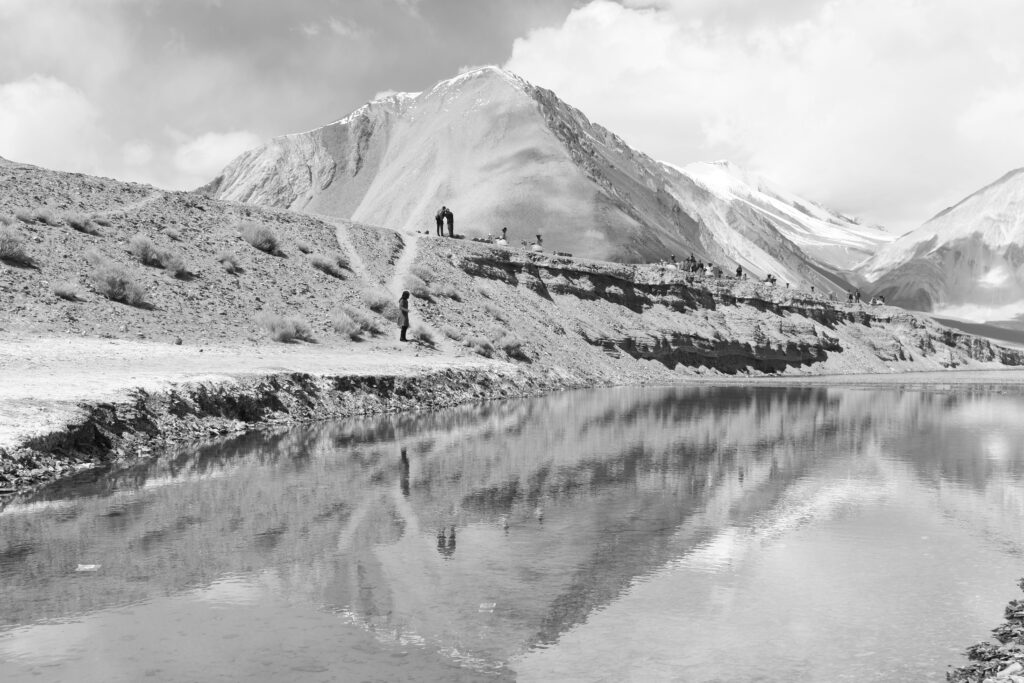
{"x":44,"y":379}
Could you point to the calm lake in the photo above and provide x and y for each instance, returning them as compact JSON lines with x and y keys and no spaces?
{"x":689,"y":534}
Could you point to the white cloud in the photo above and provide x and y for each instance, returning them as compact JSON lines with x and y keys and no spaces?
{"x":345,"y":28}
{"x":890,"y":109}
{"x":201,"y":158}
{"x":136,"y":153}
{"x":45,"y":121}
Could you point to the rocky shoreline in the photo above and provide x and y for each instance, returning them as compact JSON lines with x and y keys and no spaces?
{"x":148,"y":422}
{"x":992,"y":663}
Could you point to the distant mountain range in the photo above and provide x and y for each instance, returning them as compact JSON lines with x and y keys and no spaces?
{"x":502,"y":152}
{"x":966,"y":262}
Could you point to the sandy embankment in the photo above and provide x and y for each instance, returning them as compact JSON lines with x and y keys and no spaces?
{"x":52,"y":387}
{"x":46,"y":380}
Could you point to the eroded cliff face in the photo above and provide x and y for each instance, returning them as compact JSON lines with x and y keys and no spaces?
{"x":693,"y":324}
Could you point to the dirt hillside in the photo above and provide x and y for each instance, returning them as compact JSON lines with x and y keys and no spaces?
{"x":106,"y":286}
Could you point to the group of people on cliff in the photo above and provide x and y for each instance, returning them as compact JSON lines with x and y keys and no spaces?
{"x":445,"y":217}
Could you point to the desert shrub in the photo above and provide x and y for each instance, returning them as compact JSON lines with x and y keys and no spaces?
{"x":345,"y":326}
{"x":12,"y":248}
{"x":496,"y":312}
{"x":424,"y":273}
{"x":483,"y":291}
{"x":452,"y":333}
{"x":327,"y":264}
{"x":67,"y":290}
{"x":448,"y":291}
{"x":100,"y":220}
{"x":114,"y":281}
{"x":6,"y":220}
{"x":480,"y":345}
{"x":424,"y":335}
{"x":511,"y":345}
{"x":173,"y":263}
{"x":376,"y":301}
{"x":228,"y":260}
{"x":25,"y":216}
{"x":259,"y":236}
{"x":417,"y":287}
{"x":366,"y":323}
{"x":81,"y":223}
{"x":285,"y":328}
{"x":303,"y":246}
{"x":142,"y":248}
{"x":45,"y":216}
{"x":173,"y":233}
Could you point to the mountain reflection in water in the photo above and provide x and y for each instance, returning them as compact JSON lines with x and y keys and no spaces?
{"x":541,"y":538}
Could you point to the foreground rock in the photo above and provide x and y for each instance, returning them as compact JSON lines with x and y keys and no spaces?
{"x":991,"y":662}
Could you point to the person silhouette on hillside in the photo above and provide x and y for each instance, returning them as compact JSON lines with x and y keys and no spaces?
{"x":449,"y":218}
{"x":439,"y":219}
{"x":403,"y":315}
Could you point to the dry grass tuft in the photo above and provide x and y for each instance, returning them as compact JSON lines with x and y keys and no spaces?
{"x":303,"y":246}
{"x":229,"y":261}
{"x":422,"y":334}
{"x":142,"y":248}
{"x":12,"y":248}
{"x":285,"y":328}
{"x":447,"y":291}
{"x":418,"y":288}
{"x":174,"y":264}
{"x":424,"y":273}
{"x":344,"y":325}
{"x":480,"y":345}
{"x":81,"y":223}
{"x":46,"y":217}
{"x":453,"y":333}
{"x":498,"y":314}
{"x":100,"y":220}
{"x":259,"y":236}
{"x":332,"y":265}
{"x":350,"y":321}
{"x":173,"y":233}
{"x":114,"y":282}
{"x":67,"y":291}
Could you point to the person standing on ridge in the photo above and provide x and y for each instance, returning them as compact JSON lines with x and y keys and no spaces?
{"x":450,"y":219}
{"x":439,"y":219}
{"x":403,"y":315}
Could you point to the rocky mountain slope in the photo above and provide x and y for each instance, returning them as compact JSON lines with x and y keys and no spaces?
{"x":967,"y":261}
{"x":510,"y":320}
{"x":832,"y":239}
{"x":503,"y":152}
{"x":589,"y":320}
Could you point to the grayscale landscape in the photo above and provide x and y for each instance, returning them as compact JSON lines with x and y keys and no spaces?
{"x":710,"y":370}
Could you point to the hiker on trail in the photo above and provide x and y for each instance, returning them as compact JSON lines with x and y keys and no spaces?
{"x":449,"y":218}
{"x":504,"y":234}
{"x":739,"y":272}
{"x":403,"y":315}
{"x":856,"y":296}
{"x":439,"y":219}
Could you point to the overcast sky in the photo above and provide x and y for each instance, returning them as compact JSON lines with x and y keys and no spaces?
{"x":886,"y":109}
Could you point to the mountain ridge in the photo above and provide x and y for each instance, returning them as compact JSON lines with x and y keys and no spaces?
{"x":501,"y":151}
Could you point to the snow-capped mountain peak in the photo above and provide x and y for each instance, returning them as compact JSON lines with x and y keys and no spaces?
{"x":502,"y":152}
{"x":967,"y":261}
